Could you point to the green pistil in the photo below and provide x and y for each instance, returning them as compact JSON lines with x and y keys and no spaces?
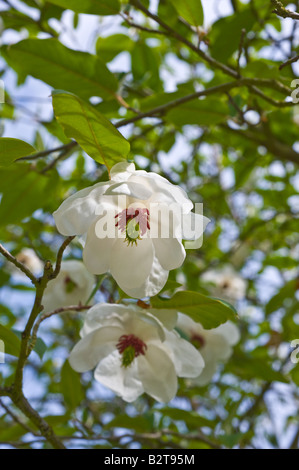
{"x":128,"y":356}
{"x":132,"y":232}
{"x":70,"y":285}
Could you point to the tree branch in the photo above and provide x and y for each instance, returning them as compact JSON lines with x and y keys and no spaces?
{"x":280,"y":10}
{"x":19,"y":265}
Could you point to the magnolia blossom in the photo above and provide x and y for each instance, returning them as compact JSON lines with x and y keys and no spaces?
{"x":72,"y":286}
{"x":215,"y":345}
{"x":133,"y":352}
{"x":227,"y":283}
{"x":132,"y":227}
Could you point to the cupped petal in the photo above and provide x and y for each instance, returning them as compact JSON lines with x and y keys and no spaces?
{"x":104,"y":315}
{"x":157,"y":374}
{"x":122,"y":171}
{"x":91,"y":349}
{"x":133,"y":190}
{"x":170,"y":252}
{"x":187,"y":359}
{"x":130,"y":265}
{"x":77,"y":212}
{"x":123,"y":381}
{"x":229,"y":331}
{"x":172,"y":192}
{"x":152,"y":284}
{"x":97,"y":251}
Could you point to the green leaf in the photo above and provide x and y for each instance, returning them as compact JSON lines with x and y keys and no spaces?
{"x":110,"y":47}
{"x":190,"y":10}
{"x":93,"y":132}
{"x":91,"y":7}
{"x":70,"y":386}
{"x":249,"y":367}
{"x":226,"y":33}
{"x":278,"y":300}
{"x":40,"y":348}
{"x":23,"y":191}
{"x":202,"y":309}
{"x":52,"y":62}
{"x":12,"y":149}
{"x":201,"y":112}
{"x":11,"y":342}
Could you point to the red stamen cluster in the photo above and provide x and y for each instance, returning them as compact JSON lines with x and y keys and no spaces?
{"x":141,"y":217}
{"x":131,"y":340}
{"x":197,"y":340}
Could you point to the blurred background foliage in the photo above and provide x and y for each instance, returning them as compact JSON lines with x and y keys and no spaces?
{"x":235,"y":148}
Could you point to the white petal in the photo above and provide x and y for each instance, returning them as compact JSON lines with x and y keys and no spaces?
{"x":157,"y":374}
{"x":135,"y":190}
{"x":193,"y":226}
{"x":122,"y":171}
{"x":103,"y":315}
{"x":94,"y":347}
{"x":123,"y":381}
{"x":153,"y":283}
{"x":131,"y":265}
{"x":170,"y":252}
{"x":77,"y":212}
{"x":167,"y":317}
{"x":97,"y":251}
{"x":174,"y":193}
{"x":187,"y":359}
{"x":229,"y":331}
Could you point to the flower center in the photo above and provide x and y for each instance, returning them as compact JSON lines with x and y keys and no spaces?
{"x":69,"y":284}
{"x":135,"y":222}
{"x":130,"y":346}
{"x":197,"y":340}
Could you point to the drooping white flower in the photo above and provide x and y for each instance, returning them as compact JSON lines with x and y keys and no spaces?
{"x":215,"y":345}
{"x":133,"y":352}
{"x":226,"y":283}
{"x":72,"y":286}
{"x":133,"y":226}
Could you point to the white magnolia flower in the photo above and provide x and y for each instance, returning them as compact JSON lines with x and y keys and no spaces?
{"x":72,"y":286}
{"x":121,"y":221}
{"x":28,"y":257}
{"x":227,"y":283}
{"x":133,"y":352}
{"x":215,"y":345}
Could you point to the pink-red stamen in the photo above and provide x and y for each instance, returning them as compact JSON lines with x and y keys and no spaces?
{"x":141,"y":217}
{"x":131,"y":340}
{"x":197,"y":340}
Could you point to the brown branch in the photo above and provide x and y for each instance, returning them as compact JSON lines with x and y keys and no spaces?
{"x":280,"y":10}
{"x":289,"y":61}
{"x":44,"y":153}
{"x":19,"y":265}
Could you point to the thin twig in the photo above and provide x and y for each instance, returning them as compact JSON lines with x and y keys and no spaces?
{"x":17,"y":263}
{"x":289,"y":61}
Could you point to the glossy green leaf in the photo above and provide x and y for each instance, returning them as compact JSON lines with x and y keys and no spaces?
{"x":190,"y":10}
{"x":93,"y":132}
{"x":12,"y":149}
{"x":202,"y":309}
{"x":11,"y":342}
{"x":91,"y":7}
{"x":60,"y":67}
